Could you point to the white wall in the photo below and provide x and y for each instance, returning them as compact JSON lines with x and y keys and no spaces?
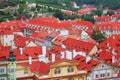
{"x":8,"y":40}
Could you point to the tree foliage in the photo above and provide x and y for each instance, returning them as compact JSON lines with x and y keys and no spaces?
{"x":98,"y":36}
{"x":87,"y":18}
{"x":112,"y":4}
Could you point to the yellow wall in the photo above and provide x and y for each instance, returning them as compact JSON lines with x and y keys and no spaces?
{"x":63,"y":66}
{"x":63,"y":71}
{"x":20,"y":71}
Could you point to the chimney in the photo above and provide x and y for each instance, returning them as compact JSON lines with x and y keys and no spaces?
{"x":41,"y":57}
{"x":69,"y":55}
{"x":53,"y":57}
{"x":21,"y":50}
{"x":113,"y":59}
{"x":44,"y":50}
{"x":88,"y":58}
{"x":62,"y":54}
{"x":63,"y":46}
{"x":49,"y":31}
{"x":113,"y":37}
{"x":74,"y":53}
{"x":113,"y":52}
{"x":30,"y":60}
{"x":108,"y":44}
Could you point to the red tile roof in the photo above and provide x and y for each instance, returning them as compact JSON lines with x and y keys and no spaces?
{"x":28,"y":51}
{"x":110,"y":44}
{"x":59,"y":40}
{"x":6,"y":32}
{"x":103,"y":18}
{"x":39,"y":67}
{"x":67,"y":12}
{"x":4,"y":52}
{"x":40,"y":36}
{"x":116,"y":15}
{"x":86,"y":66}
{"x":84,"y":11}
{"x":55,"y":50}
{"x":78,"y":45}
{"x":108,"y":26}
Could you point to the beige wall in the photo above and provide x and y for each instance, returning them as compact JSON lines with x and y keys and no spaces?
{"x":93,"y":50}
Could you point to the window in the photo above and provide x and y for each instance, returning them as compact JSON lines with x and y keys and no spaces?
{"x":102,"y":65}
{"x":6,"y":44}
{"x":25,"y":71}
{"x":70,"y":69}
{"x":96,"y":76}
{"x":102,"y":75}
{"x":1,"y":70}
{"x":2,"y":79}
{"x":6,"y":36}
{"x":11,"y":70}
{"x":57,"y":71}
{"x":108,"y":74}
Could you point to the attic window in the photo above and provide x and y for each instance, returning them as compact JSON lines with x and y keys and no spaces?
{"x":56,"y":39}
{"x":83,"y":68}
{"x":53,"y":49}
{"x":26,"y":54}
{"x":56,"y":51}
{"x":94,"y":64}
{"x":83,"y":60}
{"x":88,"y":62}
{"x":78,"y":58}
{"x":36,"y":53}
{"x":59,"y":40}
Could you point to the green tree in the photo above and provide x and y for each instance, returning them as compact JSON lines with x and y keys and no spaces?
{"x":33,"y":8}
{"x":87,"y":18}
{"x":59,"y":15}
{"x":21,"y":8}
{"x":98,"y":36}
{"x":97,"y":12}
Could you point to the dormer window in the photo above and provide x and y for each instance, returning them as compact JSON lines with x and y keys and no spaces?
{"x":26,"y":54}
{"x":36,"y":53}
{"x":78,"y":58}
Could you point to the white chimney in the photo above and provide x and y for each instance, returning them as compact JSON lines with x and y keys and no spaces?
{"x":108,"y":44}
{"x":88,"y":58}
{"x":44,"y":50}
{"x":53,"y":57}
{"x":113,"y":37}
{"x":21,"y":50}
{"x":69,"y":55}
{"x":64,"y":32}
{"x":30,"y":60}
{"x":113,"y":59}
{"x":84,"y":54}
{"x":41,"y":58}
{"x":63,"y":46}
{"x":113,"y":52}
{"x":49,"y":31}
{"x":62,"y":54}
{"x":74,"y":53}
